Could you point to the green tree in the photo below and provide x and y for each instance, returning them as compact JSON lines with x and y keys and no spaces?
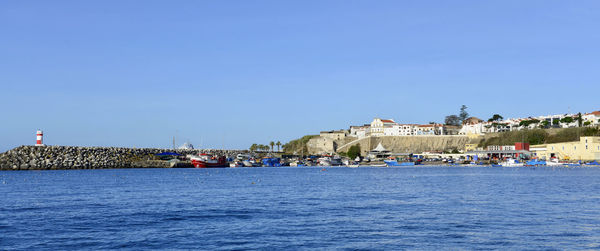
{"x":272,"y":144}
{"x":463,"y":113}
{"x":567,"y":120}
{"x":354,"y":151}
{"x":263,"y":147}
{"x":452,"y":120}
{"x":544,"y":124}
{"x":587,"y":123}
{"x":253,"y":147}
{"x":526,"y":123}
{"x":579,"y":119}
{"x":496,"y":117}
{"x":556,"y":122}
{"x":278,"y":146}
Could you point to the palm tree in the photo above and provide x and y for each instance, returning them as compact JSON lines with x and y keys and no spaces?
{"x":272,"y":144}
{"x":263,"y":147}
{"x":278,"y":146}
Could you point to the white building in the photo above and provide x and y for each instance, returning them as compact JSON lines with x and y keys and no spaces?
{"x":471,"y":126}
{"x":516,"y":124}
{"x":593,"y":118}
{"x":431,"y":129}
{"x":382,"y":127}
{"x":360,"y":131}
{"x":406,"y":129}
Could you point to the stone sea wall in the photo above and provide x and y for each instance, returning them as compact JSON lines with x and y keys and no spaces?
{"x":410,"y":144}
{"x":73,"y":157}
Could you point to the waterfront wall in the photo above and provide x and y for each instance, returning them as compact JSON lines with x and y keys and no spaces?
{"x":410,"y":144}
{"x":72,"y":157}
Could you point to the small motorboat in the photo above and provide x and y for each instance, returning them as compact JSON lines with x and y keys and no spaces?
{"x":336,"y":161}
{"x":391,"y":162}
{"x":236,"y":164}
{"x":324,"y":161}
{"x":511,"y":163}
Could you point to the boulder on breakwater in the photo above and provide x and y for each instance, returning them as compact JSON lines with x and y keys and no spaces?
{"x":75,"y":157}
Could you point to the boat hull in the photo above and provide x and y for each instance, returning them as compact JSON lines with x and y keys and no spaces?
{"x":200,"y":164}
{"x":205,"y":162}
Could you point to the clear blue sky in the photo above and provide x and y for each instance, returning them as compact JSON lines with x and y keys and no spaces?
{"x":233,"y":73}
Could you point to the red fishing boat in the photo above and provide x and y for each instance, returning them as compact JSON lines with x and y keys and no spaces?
{"x":207,"y":161}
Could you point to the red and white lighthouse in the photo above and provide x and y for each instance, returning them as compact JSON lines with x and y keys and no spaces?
{"x":39,"y":138}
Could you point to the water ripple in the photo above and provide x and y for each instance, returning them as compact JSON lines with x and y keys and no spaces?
{"x":301,"y":208}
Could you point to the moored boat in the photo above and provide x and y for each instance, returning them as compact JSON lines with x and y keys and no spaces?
{"x":336,"y":161}
{"x":324,"y":161}
{"x":271,"y":162}
{"x":511,"y":163}
{"x":208,"y":161}
{"x":391,"y":162}
{"x":236,"y":163}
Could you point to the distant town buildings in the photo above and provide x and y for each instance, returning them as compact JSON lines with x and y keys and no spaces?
{"x":471,"y":128}
{"x":475,"y":126}
{"x":389,"y":127}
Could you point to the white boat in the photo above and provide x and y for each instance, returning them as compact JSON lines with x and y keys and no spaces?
{"x":236,"y":164}
{"x":511,"y":163}
{"x":346,"y":162}
{"x":553,"y":162}
{"x":324,"y":161}
{"x":242,"y":156}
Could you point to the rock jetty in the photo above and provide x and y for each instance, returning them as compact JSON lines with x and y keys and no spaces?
{"x":74,"y":157}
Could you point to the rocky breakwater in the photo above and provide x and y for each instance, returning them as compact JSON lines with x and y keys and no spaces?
{"x":71,"y":157}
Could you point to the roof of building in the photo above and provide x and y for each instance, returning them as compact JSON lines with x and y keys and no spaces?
{"x":387,"y":121}
{"x":379,"y":148}
{"x":472,"y":120}
{"x":498,"y":151}
{"x":430,"y":125}
{"x":597,"y":113}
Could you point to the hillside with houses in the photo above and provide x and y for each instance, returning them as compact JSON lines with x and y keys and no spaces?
{"x":434,"y":137}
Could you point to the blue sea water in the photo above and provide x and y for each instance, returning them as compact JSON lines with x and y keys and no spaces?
{"x":301,"y":208}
